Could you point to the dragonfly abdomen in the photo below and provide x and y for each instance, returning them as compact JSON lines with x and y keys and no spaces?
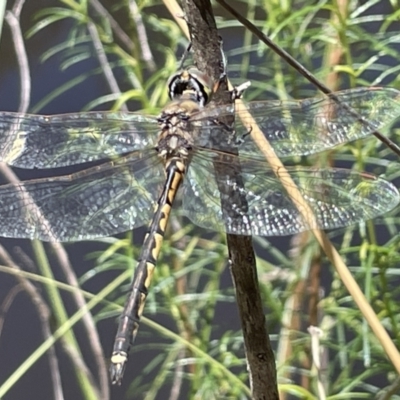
{"x":133,"y":309}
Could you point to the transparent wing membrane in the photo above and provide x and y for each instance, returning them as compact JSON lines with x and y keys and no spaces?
{"x":336,"y":197}
{"x":119,"y":194}
{"x":38,"y":141}
{"x":145,"y":159}
{"x":293,"y":127}
{"x":302,"y":127}
{"x":97,"y":202}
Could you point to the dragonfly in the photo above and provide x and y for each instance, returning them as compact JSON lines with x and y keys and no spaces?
{"x":148,"y":162}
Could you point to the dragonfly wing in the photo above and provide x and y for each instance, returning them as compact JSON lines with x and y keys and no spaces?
{"x":336,"y":197}
{"x":101,"y":201}
{"x":38,"y":141}
{"x":302,"y":127}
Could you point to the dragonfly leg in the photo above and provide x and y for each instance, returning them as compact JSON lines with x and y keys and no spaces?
{"x":240,"y":140}
{"x":238,"y":91}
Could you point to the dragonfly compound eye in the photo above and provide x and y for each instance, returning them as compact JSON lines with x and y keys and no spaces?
{"x":192,"y":82}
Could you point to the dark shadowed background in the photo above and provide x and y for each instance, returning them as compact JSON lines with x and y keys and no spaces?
{"x":280,"y":272}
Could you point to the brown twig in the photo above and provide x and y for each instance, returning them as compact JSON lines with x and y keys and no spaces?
{"x":260,"y":359}
{"x":142,"y":35}
{"x":104,"y":64}
{"x":16,"y":34}
{"x":118,"y":31}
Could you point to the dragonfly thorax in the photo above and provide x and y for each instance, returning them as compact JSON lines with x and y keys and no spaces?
{"x":178,"y":112}
{"x":174,"y":145}
{"x":190,"y":91}
{"x":175,"y":138}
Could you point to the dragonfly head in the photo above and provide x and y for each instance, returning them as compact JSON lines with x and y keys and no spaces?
{"x":190,"y":83}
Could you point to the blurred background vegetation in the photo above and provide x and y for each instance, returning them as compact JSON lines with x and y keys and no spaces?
{"x":118,"y":55}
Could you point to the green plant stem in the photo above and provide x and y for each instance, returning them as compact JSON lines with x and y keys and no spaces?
{"x":61,"y":316}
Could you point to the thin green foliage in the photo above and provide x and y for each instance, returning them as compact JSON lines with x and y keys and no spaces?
{"x":200,"y":349}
